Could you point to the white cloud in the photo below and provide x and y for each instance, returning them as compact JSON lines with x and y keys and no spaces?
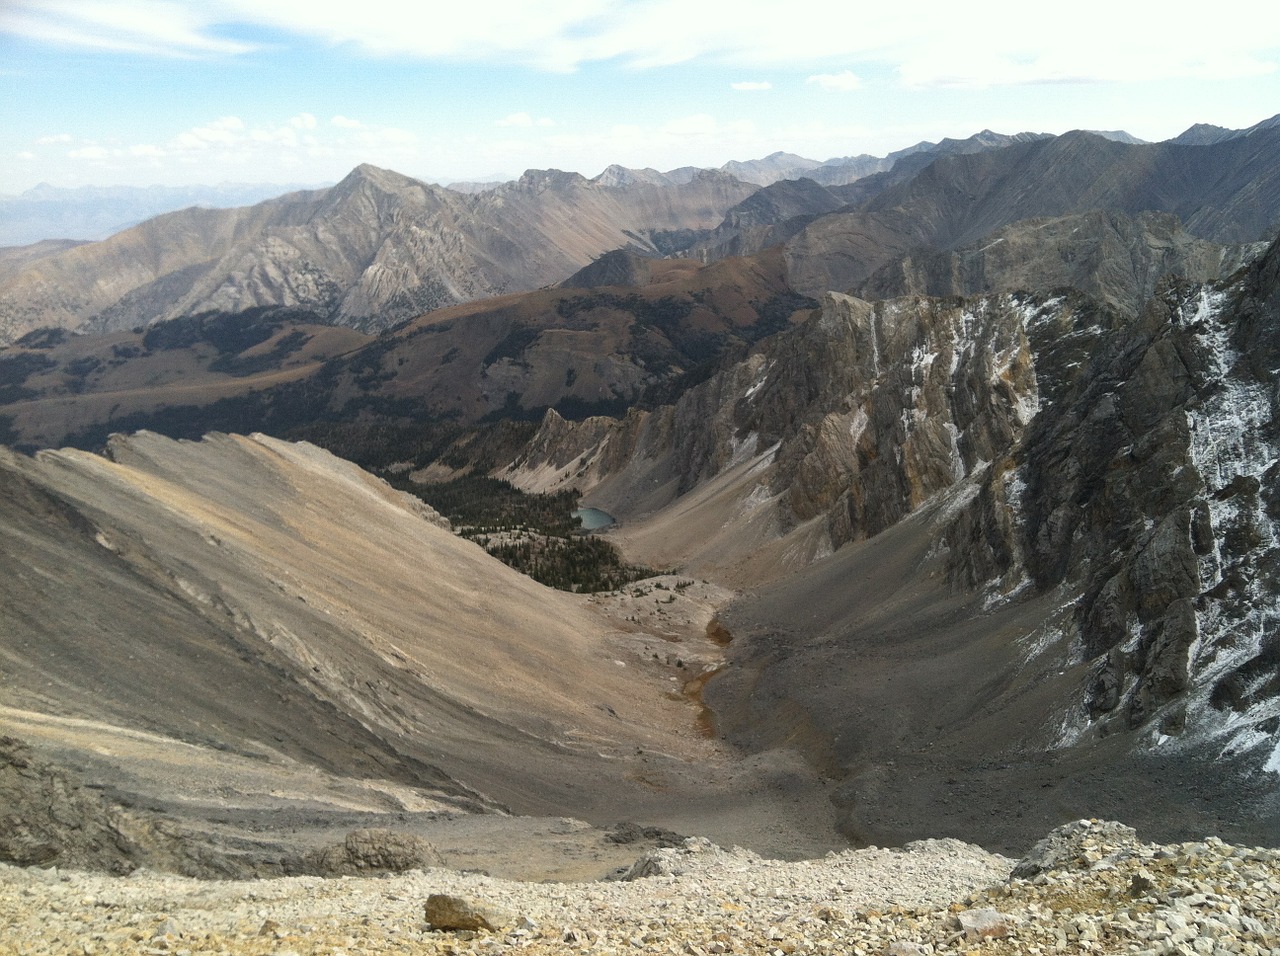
{"x":343,"y":122}
{"x":752,"y":85}
{"x":836,"y":82}
{"x":148,"y":27}
{"x":523,"y":121}
{"x":50,"y":140}
{"x":89,"y":152}
{"x":932,"y":43}
{"x":26,"y":155}
{"x":231,"y":148}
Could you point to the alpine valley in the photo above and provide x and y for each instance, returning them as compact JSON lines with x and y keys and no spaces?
{"x":945,"y":491}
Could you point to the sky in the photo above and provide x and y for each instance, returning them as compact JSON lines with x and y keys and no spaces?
{"x":141,"y":92}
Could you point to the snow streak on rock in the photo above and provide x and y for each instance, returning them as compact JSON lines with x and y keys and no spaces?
{"x":1234,"y":658}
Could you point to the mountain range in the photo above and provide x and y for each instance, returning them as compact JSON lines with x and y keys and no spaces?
{"x":379,"y":248}
{"x":964,"y":471}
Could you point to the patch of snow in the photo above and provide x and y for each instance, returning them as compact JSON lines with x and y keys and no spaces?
{"x":759,"y":496}
{"x":1229,"y":441}
{"x":741,"y":449}
{"x":1273,"y":762}
{"x":957,"y":460}
{"x":859,"y":424}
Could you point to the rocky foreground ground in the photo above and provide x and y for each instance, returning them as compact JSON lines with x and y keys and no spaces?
{"x":1088,"y":887}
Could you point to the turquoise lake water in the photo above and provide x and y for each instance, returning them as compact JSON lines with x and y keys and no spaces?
{"x":593,"y":519}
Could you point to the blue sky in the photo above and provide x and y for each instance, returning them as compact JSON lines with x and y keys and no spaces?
{"x":136,"y":92}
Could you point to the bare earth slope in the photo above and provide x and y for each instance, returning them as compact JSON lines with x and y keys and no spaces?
{"x":243,"y":623}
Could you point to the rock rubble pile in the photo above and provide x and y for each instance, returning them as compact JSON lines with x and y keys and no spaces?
{"x":1090,"y":887}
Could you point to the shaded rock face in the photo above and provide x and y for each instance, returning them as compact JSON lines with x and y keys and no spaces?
{"x":48,"y":819}
{"x":1151,"y":489}
{"x":879,"y":407}
{"x":1117,"y":259}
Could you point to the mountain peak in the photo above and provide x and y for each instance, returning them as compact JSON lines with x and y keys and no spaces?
{"x":367,"y":176}
{"x":549,"y":179}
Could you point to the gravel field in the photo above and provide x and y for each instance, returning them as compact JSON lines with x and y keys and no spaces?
{"x":1088,"y":887}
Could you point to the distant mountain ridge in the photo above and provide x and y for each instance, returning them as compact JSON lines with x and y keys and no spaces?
{"x":373,"y":250}
{"x":96,"y":212}
{"x":1227,"y":192}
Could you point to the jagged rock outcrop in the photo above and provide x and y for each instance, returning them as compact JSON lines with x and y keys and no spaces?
{"x":1151,"y":489}
{"x":372,"y":851}
{"x":49,"y":819}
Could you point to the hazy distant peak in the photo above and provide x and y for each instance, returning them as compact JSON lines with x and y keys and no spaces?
{"x":682,"y":175}
{"x":1203,"y":134}
{"x":368,"y":173}
{"x":1118,"y":136}
{"x":1206,"y":134}
{"x":1272,"y":123}
{"x":470,"y":188}
{"x":549,"y":179}
{"x":616,"y":175}
{"x":775,"y":166}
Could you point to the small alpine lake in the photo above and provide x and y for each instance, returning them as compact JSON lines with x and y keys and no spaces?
{"x":593,"y":519}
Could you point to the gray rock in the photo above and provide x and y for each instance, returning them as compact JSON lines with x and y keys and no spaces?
{"x":1075,"y":846}
{"x":983,"y":923}
{"x":453,"y":913}
{"x":364,"y":852}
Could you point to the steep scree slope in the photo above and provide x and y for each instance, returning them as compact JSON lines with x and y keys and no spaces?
{"x":237,"y":603}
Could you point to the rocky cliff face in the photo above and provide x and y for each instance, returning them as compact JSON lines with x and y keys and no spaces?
{"x":373,"y":250}
{"x":1096,"y":487}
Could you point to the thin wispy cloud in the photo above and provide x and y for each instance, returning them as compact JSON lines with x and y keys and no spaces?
{"x":147,"y":27}
{"x":927,"y":44}
{"x":751,"y":86}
